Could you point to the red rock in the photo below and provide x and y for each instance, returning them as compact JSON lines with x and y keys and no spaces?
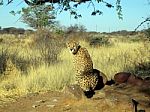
{"x":121,"y":77}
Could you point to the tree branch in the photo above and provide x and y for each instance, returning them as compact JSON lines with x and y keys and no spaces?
{"x":9,"y":1}
{"x":38,"y":2}
{"x":146,"y":20}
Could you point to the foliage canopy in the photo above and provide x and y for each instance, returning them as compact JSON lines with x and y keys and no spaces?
{"x":38,"y":17}
{"x":72,"y":5}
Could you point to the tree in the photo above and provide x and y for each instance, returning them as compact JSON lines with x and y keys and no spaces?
{"x":71,"y":5}
{"x":66,"y":5}
{"x":76,"y":28}
{"x":40,"y":16}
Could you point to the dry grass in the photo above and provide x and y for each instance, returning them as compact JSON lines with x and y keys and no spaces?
{"x":121,"y":56}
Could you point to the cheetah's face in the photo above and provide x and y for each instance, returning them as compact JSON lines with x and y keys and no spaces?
{"x":73,"y":46}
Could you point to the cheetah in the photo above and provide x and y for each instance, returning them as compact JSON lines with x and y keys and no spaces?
{"x":83,"y":65}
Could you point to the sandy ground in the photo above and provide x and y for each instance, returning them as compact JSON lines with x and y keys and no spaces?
{"x":122,"y":98}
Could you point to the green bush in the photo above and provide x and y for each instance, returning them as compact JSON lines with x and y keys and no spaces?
{"x":99,"y":41}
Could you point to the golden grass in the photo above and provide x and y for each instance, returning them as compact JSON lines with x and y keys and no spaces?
{"x":121,"y":56}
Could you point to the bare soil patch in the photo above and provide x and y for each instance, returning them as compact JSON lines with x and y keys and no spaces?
{"x":109,"y":99}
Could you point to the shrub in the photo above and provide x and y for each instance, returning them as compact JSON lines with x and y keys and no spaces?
{"x":99,"y":41}
{"x":11,"y":62}
{"x":142,"y":69}
{"x":8,"y":68}
{"x":48,"y":46}
{"x":3,"y":57}
{"x":147,"y":32}
{"x":76,"y":28}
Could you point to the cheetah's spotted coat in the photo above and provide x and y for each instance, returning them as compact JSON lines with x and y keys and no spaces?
{"x":83,"y":66}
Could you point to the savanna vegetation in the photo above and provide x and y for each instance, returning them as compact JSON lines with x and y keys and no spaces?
{"x":40,"y":61}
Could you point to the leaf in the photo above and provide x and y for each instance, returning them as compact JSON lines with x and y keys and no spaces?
{"x":119,"y":9}
{"x":93,"y":13}
{"x":99,"y":12}
{"x":76,"y":5}
{"x":73,"y":13}
{"x":80,"y":15}
{"x":65,"y":9}
{"x":13,"y":13}
{"x":1,"y":3}
{"x":99,"y":1}
{"x":109,"y":5}
{"x":75,"y":17}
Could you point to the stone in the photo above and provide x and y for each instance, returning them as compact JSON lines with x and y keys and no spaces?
{"x":73,"y":91}
{"x":35,"y":106}
{"x":51,"y":106}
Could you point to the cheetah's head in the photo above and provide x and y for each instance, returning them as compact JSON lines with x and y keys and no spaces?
{"x":73,"y":46}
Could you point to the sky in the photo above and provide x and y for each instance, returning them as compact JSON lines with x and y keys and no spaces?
{"x":134,"y":12}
